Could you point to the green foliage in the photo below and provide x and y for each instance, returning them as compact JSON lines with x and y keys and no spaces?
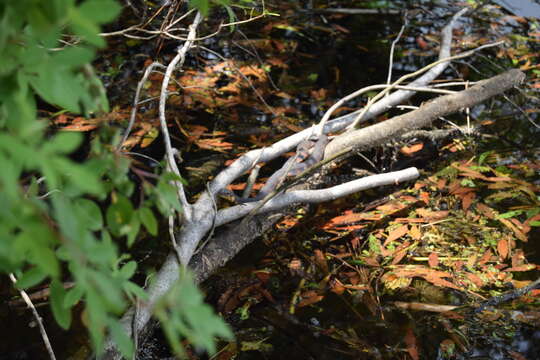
{"x":62,"y":219}
{"x":204,"y":6}
{"x":182,"y":311}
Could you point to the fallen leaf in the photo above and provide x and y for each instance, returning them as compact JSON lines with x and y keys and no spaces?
{"x":410,"y":341}
{"x":520,"y":268}
{"x":396,"y":234}
{"x":409,"y":150}
{"x":310,"y":297}
{"x":502,"y":248}
{"x":415,"y":232}
{"x":433,"y":260}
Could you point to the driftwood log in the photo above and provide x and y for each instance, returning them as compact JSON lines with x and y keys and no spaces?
{"x":231,"y":235}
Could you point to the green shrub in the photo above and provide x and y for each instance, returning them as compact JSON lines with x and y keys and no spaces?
{"x":52,"y":223}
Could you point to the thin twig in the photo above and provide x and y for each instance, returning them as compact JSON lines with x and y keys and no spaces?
{"x":29,"y":303}
{"x":414,"y":74}
{"x":136,"y":103}
{"x":391,"y":62}
{"x":177,"y":61}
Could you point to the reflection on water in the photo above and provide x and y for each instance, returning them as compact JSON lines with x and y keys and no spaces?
{"x":525,"y":8}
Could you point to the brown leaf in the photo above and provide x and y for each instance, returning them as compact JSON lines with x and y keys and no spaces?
{"x":410,"y":341}
{"x":466,"y":200}
{"x":518,"y":258}
{"x":216,"y":144}
{"x":519,"y":234}
{"x":486,"y":210}
{"x":400,"y":253}
{"x":320,"y":260}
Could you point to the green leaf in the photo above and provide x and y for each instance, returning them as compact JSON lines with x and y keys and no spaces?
{"x":133,"y":230}
{"x":31,"y":278}
{"x":119,"y":215}
{"x":89,"y":213}
{"x":149,"y":220}
{"x":201,"y":5}
{"x":510,"y":214}
{"x":168,"y":195}
{"x":73,"y":57}
{"x":182,"y":312}
{"x":110,"y":291}
{"x":85,"y":27}
{"x":484,"y":156}
{"x":46,"y":259}
{"x":134,"y":289}
{"x":94,"y":10}
{"x":60,"y":312}
{"x":73,"y":296}
{"x":78,"y":175}
{"x":124,"y":343}
{"x":128,"y":270}
{"x":58,"y":85}
{"x":63,"y":143}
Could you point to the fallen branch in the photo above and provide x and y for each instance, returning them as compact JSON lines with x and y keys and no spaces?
{"x":202,"y":215}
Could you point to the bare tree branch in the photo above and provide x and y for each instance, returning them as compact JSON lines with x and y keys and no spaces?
{"x":202,"y":217}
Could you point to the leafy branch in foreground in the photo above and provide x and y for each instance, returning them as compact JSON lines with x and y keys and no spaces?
{"x":62,"y":219}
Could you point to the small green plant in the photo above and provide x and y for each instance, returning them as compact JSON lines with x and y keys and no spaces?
{"x":62,"y":219}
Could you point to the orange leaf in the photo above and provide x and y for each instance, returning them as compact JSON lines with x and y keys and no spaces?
{"x":336,"y":286}
{"x":81,"y":124}
{"x":422,"y":44}
{"x":485,"y":258}
{"x":429,"y":215}
{"x":502,"y":248}
{"x":287,"y":223}
{"x":214,"y":144}
{"x":475,"y":279}
{"x":400,"y":253}
{"x":396,"y":234}
{"x":441,"y":184}
{"x":310,"y":297}
{"x":433,"y":260}
{"x":409,"y":150}
{"x":424,"y":196}
{"x":524,"y":267}
{"x":415,"y":232}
